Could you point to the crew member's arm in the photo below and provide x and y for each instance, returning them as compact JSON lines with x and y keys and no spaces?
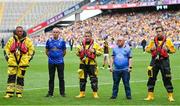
{"x":98,"y":50}
{"x":170,"y":46}
{"x":78,"y":50}
{"x":150,"y":46}
{"x":7,"y":48}
{"x":31,"y":50}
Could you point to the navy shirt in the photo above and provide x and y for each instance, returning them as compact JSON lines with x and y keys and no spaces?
{"x":55,"y":50}
{"x":121,"y":57}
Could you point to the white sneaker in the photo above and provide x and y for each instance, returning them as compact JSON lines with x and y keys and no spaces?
{"x":108,"y":68}
{"x":102,"y":68}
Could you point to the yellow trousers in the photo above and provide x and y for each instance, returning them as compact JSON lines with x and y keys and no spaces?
{"x":15,"y":79}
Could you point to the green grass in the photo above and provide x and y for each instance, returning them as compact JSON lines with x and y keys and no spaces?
{"x":36,"y":83}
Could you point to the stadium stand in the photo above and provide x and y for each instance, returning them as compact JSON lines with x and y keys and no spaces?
{"x":133,"y":25}
{"x":29,"y":14}
{"x":1,"y":11}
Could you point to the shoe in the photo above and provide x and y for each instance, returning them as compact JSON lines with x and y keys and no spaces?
{"x":112,"y":97}
{"x":95,"y":95}
{"x":81,"y":95}
{"x":150,"y":96}
{"x":109,"y":67}
{"x":48,"y":95}
{"x":102,"y":68}
{"x":170,"y":97}
{"x":8,"y":95}
{"x":63,"y":95}
{"x":19,"y":95}
{"x":129,"y":97}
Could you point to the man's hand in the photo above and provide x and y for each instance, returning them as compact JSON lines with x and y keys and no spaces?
{"x":6,"y":57}
{"x":153,"y":48}
{"x":81,"y":49}
{"x":84,"y":59}
{"x":47,"y":52}
{"x":165,"y":48}
{"x":130,"y":69}
{"x":92,"y":50}
{"x":111,"y":69}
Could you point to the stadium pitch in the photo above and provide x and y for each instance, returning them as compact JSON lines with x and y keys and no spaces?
{"x":36,"y":83}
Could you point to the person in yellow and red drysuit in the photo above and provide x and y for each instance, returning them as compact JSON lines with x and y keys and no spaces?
{"x":159,"y":48}
{"x":87,"y":53}
{"x":18,"y":52}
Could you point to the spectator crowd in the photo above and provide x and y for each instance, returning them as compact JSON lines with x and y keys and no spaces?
{"x":134,"y":26}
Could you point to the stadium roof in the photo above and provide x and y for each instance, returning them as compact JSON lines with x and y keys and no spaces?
{"x":85,"y":14}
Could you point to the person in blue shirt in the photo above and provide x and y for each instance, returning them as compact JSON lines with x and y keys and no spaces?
{"x":120,"y":67}
{"x":56,"y":50}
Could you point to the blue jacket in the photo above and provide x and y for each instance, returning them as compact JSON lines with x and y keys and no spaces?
{"x":55,"y":50}
{"x":121,"y":57}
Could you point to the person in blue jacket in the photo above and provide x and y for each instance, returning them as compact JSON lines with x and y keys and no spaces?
{"x":121,"y":65}
{"x":56,"y":50}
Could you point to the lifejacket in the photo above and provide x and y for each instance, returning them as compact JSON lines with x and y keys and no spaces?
{"x":86,"y":52}
{"x":18,"y":46}
{"x":159,"y":51}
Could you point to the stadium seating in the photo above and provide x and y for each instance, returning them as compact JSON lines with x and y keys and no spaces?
{"x":1,"y":11}
{"x":134,"y":26}
{"x":29,"y":14}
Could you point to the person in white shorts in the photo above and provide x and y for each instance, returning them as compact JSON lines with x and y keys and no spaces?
{"x":106,"y":54}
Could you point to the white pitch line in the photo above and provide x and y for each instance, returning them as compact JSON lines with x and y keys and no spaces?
{"x":70,"y":86}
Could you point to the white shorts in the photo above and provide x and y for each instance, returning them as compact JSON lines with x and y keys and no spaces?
{"x":106,"y":55}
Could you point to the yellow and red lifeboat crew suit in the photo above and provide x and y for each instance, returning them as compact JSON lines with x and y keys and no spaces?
{"x":18,"y":53}
{"x":160,"y":50}
{"x":88,"y":66}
